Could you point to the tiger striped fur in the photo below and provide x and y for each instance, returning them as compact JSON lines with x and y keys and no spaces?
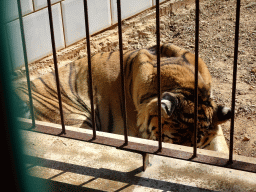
{"x":177,"y":85}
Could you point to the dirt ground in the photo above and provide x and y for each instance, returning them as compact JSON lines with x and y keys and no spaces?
{"x":217,"y":29}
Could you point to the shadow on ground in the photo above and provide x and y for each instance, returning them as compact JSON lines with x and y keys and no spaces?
{"x":130,"y":178}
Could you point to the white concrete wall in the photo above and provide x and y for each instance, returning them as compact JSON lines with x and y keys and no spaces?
{"x":68,"y":19}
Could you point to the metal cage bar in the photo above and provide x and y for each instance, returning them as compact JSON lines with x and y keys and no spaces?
{"x":135,"y":147}
{"x":234,"y":83}
{"x":196,"y":79}
{"x":158,"y":75}
{"x":89,"y":67}
{"x":55,"y":64}
{"x":31,"y":107}
{"x":144,"y":148}
{"x":123,"y":107}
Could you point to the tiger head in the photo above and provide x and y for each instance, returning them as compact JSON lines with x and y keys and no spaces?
{"x":178,"y":118}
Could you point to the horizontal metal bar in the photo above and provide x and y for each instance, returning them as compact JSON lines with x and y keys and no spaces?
{"x":143,"y":148}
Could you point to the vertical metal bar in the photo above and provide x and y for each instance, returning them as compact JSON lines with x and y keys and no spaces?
{"x":55,"y":64}
{"x":158,"y":74}
{"x":122,"y":71}
{"x":89,"y":67}
{"x":196,"y":79}
{"x":145,"y":157}
{"x":26,"y":63}
{"x":234,"y":82}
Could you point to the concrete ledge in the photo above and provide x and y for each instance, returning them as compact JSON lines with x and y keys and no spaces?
{"x":70,"y":164}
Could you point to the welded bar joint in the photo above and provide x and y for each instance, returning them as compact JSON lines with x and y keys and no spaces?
{"x":234,"y":83}
{"x":122,"y":71}
{"x":89,"y":67}
{"x":55,"y":64}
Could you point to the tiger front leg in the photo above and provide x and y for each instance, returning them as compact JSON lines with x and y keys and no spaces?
{"x":147,"y":121}
{"x":146,"y":111}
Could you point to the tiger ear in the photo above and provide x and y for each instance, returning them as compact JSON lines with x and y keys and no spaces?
{"x":223,"y":114}
{"x":168,"y":103}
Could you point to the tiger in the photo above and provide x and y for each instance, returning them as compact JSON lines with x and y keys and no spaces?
{"x":140,"y":74}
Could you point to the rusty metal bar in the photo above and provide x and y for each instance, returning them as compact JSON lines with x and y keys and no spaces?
{"x":55,"y":64}
{"x":145,"y":157}
{"x":31,"y":107}
{"x":123,"y":107}
{"x":143,"y":148}
{"x":158,"y":74}
{"x":234,"y":82}
{"x":89,"y":67}
{"x":196,"y":80}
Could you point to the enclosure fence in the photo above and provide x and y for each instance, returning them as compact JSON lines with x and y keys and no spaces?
{"x":125,"y":144}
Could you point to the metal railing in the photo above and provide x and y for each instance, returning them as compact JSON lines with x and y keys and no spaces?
{"x":125,"y":144}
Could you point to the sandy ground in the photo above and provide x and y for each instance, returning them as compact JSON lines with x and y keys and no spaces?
{"x":217,"y":29}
